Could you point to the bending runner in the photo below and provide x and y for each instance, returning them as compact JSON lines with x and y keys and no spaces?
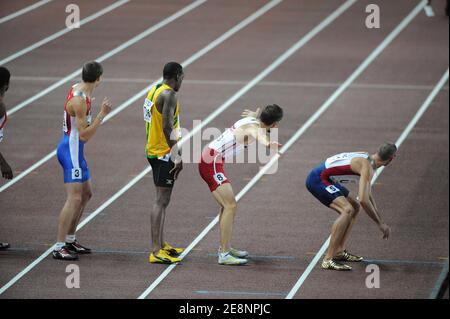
{"x":324,"y":183}
{"x":253,"y":127}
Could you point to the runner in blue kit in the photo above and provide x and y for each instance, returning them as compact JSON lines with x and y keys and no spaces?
{"x":78,"y":128}
{"x":325,"y":183}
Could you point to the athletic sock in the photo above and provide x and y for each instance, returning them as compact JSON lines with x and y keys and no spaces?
{"x":58,"y":246}
{"x":70,"y":239}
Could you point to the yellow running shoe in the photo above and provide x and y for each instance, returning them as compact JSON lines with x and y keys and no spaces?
{"x":172,"y":251}
{"x":162,"y":257}
{"x":334,"y":265}
{"x":346,"y":256}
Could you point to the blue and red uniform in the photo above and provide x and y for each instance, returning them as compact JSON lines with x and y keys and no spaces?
{"x":324,"y":181}
{"x":71,"y":149}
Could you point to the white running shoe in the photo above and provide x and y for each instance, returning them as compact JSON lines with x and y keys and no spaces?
{"x":228,"y":259}
{"x":238,"y":253}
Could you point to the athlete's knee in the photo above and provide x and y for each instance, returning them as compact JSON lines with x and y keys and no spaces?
{"x":230,"y":205}
{"x":87,"y":195}
{"x":348,"y":211}
{"x":75,"y":199}
{"x":163,"y":199}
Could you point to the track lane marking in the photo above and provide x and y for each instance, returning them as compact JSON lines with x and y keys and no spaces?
{"x":109,"y":54}
{"x":62,"y":32}
{"x":23,"y":11}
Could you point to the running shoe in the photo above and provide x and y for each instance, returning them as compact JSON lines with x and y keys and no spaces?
{"x":334,"y":265}
{"x":346,"y":256}
{"x":4,"y":246}
{"x":172,"y":251}
{"x":163,"y":257}
{"x":228,"y":259}
{"x":75,"y":247}
{"x":238,"y":253}
{"x":64,"y":254}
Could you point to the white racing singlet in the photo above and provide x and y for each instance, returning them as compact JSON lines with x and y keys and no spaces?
{"x":226,"y":144}
{"x":338,"y":167}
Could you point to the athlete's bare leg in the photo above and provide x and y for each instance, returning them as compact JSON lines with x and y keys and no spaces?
{"x":224,"y":195}
{"x":339,"y":228}
{"x":356,"y":207}
{"x":85,"y":197}
{"x":158,"y":216}
{"x":71,"y":209}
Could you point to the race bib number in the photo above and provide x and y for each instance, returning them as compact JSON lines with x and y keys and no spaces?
{"x":147,"y":110}
{"x":76,"y":173}
{"x":219,"y":178}
{"x":332,"y":189}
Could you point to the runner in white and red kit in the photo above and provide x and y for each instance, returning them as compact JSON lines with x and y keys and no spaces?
{"x":253,"y":127}
{"x":324,"y":182}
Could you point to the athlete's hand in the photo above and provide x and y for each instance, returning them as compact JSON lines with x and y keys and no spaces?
{"x":274,"y":145}
{"x":177,"y":168}
{"x":386,"y":230}
{"x":6,"y":171}
{"x":106,"y":107}
{"x":250,"y":113}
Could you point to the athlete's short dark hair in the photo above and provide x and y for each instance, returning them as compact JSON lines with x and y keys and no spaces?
{"x":271,"y":114}
{"x":387,"y":150}
{"x":172,"y":70}
{"x":91,"y":71}
{"x":4,"y":76}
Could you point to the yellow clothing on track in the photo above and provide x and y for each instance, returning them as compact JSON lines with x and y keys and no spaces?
{"x":156,"y":141}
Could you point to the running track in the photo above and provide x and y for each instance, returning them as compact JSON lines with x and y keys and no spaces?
{"x":278,"y":221}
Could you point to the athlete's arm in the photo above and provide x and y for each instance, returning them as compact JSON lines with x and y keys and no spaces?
{"x":362,"y":166}
{"x":168,"y":110}
{"x":4,"y":166}
{"x":80,"y":108}
{"x":259,"y":135}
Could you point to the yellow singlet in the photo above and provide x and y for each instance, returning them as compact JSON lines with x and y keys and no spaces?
{"x":156,"y":141}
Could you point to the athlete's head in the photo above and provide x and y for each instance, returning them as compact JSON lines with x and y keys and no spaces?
{"x":386,"y":153}
{"x":92,"y":71}
{"x":4,"y":79}
{"x":271,"y":115}
{"x":173,"y":71}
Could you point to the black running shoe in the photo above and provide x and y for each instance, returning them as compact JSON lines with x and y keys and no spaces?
{"x":64,"y":254}
{"x":4,"y":246}
{"x":75,"y":247}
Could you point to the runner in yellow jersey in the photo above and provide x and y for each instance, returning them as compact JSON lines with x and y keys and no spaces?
{"x":161,"y":114}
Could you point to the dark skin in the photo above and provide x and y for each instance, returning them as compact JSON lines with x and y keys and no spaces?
{"x":4,"y":166}
{"x":166,"y":104}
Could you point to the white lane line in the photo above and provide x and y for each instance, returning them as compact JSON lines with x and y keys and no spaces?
{"x":399,"y":142}
{"x":76,"y":73}
{"x":203,"y":51}
{"x":285,"y":56}
{"x":62,"y":32}
{"x":109,"y":54}
{"x":23,"y":11}
{"x":380,"y":86}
